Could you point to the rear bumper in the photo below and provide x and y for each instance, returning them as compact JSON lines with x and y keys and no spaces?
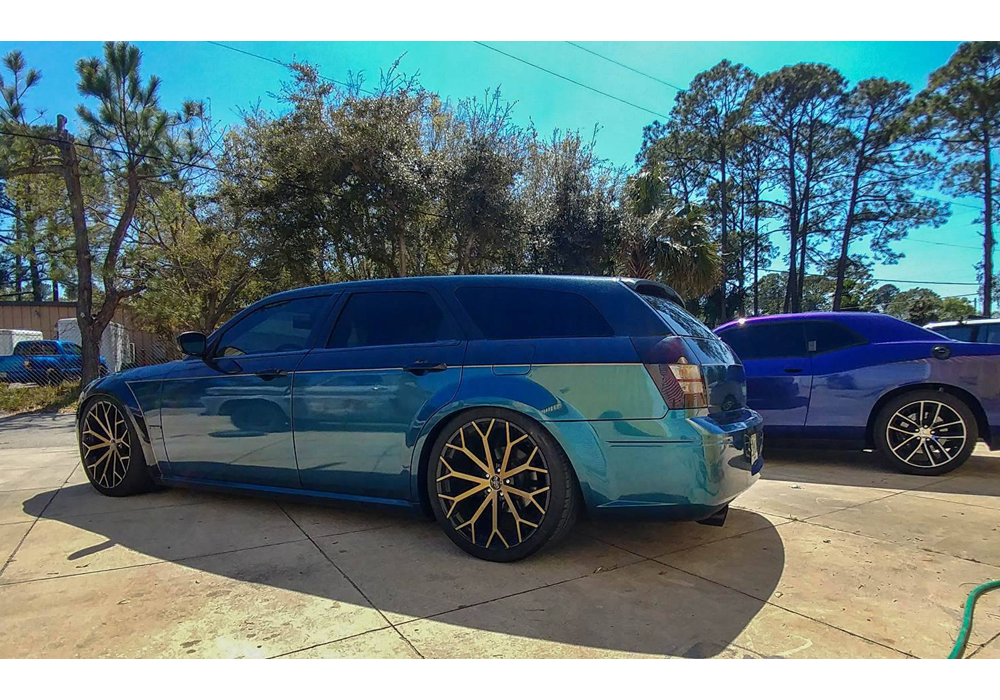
{"x":687,"y":468}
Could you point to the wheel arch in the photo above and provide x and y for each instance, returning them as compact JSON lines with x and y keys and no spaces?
{"x":966,"y":397}
{"x":555,"y":429}
{"x":134,"y":414}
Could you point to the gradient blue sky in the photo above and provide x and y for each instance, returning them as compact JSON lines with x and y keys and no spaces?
{"x":198,"y":70}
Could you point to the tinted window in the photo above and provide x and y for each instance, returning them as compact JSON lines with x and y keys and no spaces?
{"x":770,"y":340}
{"x":991,"y":331}
{"x":831,"y":336}
{"x":503,"y":313}
{"x":677,"y":318}
{"x":390,"y":318}
{"x":963,"y":332}
{"x":281,"y":327}
{"x":36,"y":348}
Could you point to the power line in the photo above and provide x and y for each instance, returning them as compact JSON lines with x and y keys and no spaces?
{"x":570,"y":80}
{"x":950,"y":245}
{"x":879,"y":279}
{"x":626,"y":67}
{"x":285,"y":65}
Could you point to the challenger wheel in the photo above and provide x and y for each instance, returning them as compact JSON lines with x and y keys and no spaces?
{"x":926,"y":432}
{"x":499,"y":485}
{"x":110,"y":451}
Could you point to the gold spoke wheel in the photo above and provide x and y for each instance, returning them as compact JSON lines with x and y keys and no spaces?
{"x":106,"y":447}
{"x":492,"y":483}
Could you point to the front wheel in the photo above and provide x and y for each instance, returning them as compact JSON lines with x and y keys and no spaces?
{"x":926,"y":432}
{"x":499,"y":485}
{"x":110,"y":451}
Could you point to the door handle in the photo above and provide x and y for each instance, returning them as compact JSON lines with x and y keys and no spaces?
{"x":269,"y":374}
{"x":424,"y":366}
{"x":793,"y":370}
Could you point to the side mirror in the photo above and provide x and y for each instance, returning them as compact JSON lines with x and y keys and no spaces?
{"x":192,"y":343}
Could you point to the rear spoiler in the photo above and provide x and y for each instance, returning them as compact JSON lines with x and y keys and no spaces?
{"x":653,"y":289}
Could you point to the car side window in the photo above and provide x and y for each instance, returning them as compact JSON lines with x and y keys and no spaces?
{"x":284,"y":326}
{"x":72,"y":349}
{"x":967,"y":333}
{"x":36,"y":349}
{"x":507,"y":313}
{"x":390,"y":318}
{"x":761,"y":341}
{"x":826,"y":336}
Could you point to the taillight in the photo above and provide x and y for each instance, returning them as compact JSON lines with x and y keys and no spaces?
{"x":680,"y":383}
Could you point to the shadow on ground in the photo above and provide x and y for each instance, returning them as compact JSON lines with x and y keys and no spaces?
{"x":583,"y":592}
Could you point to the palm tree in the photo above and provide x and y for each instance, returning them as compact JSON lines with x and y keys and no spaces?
{"x":674,"y":247}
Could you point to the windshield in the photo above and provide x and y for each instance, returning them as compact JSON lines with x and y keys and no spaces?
{"x":678,"y":319}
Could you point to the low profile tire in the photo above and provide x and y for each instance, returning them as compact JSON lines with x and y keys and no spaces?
{"x":926,"y":433}
{"x":499,"y":485}
{"x":110,"y":450}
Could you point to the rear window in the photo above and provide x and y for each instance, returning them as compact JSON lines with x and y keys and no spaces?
{"x":963,"y":332}
{"x":678,"y":319}
{"x":36,"y":349}
{"x":506,"y":313}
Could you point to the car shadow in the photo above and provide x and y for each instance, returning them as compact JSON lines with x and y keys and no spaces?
{"x":979,"y":476}
{"x":608,"y":598}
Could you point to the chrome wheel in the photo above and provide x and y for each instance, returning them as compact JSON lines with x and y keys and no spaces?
{"x":492,"y":483}
{"x":107,"y":450}
{"x":926,"y":434}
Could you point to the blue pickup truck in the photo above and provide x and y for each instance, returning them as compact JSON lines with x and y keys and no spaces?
{"x":44,"y":362}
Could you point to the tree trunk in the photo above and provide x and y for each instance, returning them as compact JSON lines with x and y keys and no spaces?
{"x":401,"y":241}
{"x":723,"y":317}
{"x":988,"y":229}
{"x":845,"y":241}
{"x":803,"y":234}
{"x":756,"y":246}
{"x":89,"y":342}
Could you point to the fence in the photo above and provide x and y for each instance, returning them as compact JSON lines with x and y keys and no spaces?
{"x":45,"y":344}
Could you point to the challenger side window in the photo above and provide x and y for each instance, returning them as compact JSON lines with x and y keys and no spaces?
{"x":761,"y":341}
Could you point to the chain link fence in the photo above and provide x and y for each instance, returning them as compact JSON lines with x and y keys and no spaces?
{"x":28,"y":357}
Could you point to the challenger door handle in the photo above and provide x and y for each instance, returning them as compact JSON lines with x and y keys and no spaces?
{"x":423,"y":367}
{"x":793,"y":370}
{"x":269,"y":374}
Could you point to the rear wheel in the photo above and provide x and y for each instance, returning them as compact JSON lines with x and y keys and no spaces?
{"x":110,"y":451}
{"x":926,"y":432}
{"x":499,"y":485}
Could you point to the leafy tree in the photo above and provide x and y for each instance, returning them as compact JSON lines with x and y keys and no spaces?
{"x":131,"y":144}
{"x":956,"y":309}
{"x":715,"y":107}
{"x":799,"y":107}
{"x":918,"y":305}
{"x":884,"y":165}
{"x":962,"y":107}
{"x":675,"y":248}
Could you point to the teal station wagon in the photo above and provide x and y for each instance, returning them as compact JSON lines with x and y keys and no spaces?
{"x":504,"y":406}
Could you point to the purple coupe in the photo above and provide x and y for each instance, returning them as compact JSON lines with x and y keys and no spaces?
{"x":860,"y":380}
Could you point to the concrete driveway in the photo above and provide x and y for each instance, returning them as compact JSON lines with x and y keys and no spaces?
{"x":829,"y":555}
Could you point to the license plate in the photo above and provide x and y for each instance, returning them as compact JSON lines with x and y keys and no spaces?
{"x":753,"y":447}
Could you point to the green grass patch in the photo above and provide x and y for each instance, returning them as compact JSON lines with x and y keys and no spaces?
{"x":28,"y":398}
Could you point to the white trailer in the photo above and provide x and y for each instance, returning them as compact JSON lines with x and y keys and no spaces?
{"x":9,"y":337}
{"x":115,"y":343}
